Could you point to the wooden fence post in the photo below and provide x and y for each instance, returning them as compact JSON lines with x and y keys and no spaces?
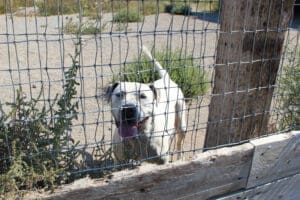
{"x":250,"y":43}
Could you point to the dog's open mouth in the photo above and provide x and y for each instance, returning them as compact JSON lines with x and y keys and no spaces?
{"x":127,"y":130}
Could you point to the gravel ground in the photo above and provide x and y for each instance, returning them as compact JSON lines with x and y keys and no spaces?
{"x":34,"y":52}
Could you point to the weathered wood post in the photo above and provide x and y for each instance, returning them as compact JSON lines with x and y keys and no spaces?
{"x":248,"y":56}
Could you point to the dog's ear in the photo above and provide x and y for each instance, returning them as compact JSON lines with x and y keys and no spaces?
{"x":155,"y":92}
{"x":109,"y":91}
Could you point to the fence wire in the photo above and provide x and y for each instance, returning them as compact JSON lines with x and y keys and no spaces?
{"x":58,"y":58}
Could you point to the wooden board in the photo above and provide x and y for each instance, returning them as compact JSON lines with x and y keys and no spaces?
{"x":286,"y":188}
{"x":212,"y":173}
{"x":275,"y":157}
{"x":265,"y":168}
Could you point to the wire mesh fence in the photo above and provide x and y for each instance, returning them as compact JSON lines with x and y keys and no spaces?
{"x":60,"y":58}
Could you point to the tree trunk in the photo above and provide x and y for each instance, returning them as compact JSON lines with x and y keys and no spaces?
{"x":248,"y":56}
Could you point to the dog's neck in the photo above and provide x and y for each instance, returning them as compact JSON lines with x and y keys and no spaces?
{"x":148,"y":127}
{"x":154,"y":147}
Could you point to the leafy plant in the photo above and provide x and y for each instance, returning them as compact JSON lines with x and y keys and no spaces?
{"x":35,"y":147}
{"x":289,"y":96}
{"x":183,"y":70}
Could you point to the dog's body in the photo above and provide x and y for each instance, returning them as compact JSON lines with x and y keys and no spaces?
{"x":148,"y":117}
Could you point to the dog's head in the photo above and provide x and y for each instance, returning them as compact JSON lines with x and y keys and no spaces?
{"x":132,"y":106}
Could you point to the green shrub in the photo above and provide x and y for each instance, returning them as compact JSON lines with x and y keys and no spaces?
{"x":36,"y":151}
{"x":289,"y":96}
{"x":178,"y":9}
{"x":125,"y":15}
{"x":183,"y":70}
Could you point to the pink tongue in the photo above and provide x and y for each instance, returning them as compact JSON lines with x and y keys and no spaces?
{"x":128,"y":131}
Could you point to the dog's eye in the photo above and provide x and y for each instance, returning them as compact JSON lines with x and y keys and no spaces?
{"x":120,"y":94}
{"x":143,"y":96}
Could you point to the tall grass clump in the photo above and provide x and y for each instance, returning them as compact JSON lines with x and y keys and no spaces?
{"x":35,"y":146}
{"x":183,"y":70}
{"x":131,"y":14}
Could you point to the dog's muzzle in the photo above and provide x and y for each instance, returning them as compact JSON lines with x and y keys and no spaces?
{"x":129,"y":114}
{"x":129,"y":121}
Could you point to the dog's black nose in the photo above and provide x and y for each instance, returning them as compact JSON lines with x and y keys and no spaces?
{"x":129,"y":114}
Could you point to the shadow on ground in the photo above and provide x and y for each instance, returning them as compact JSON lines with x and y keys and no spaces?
{"x":207,"y":16}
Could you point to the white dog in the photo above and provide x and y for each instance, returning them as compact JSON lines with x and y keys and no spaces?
{"x":148,"y":117}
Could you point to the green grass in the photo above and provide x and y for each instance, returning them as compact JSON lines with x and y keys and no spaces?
{"x":183,"y":70}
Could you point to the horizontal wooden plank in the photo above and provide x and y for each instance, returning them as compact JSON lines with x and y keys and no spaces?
{"x":286,"y":188}
{"x":211,"y":173}
{"x":275,"y":157}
